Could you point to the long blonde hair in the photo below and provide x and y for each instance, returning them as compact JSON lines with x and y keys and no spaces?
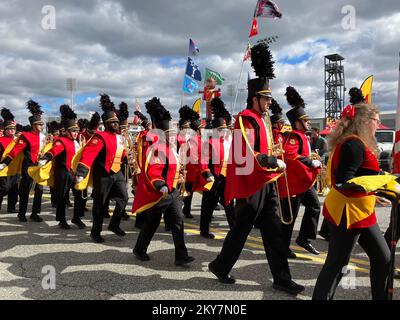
{"x":358,"y":126}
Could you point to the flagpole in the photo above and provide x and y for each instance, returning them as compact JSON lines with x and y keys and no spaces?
{"x":396,"y":149}
{"x":241,"y":68}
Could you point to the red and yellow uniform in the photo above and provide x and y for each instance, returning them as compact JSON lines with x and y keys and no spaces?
{"x":357,"y":205}
{"x":160,"y":169}
{"x":245,"y":174}
{"x":300,"y":174}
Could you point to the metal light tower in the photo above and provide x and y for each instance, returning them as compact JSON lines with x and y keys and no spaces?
{"x":71,"y":86}
{"x":334,"y":86}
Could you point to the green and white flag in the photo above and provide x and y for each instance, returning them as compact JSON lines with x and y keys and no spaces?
{"x":218,"y":78}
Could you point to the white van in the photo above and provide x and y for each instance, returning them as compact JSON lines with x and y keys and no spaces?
{"x":385,"y":139}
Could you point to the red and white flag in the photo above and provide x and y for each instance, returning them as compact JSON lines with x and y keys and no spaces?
{"x":396,"y":149}
{"x":254,"y":28}
{"x":268,"y":9}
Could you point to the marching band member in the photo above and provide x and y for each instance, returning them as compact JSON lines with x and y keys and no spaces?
{"x":143,"y":142}
{"x":218,"y":146}
{"x":350,"y":210}
{"x":190,"y":145}
{"x":28,"y":146}
{"x":157,"y":192}
{"x":9,"y":184}
{"x":277,"y":121}
{"x":301,"y":175}
{"x":53,"y":131}
{"x":250,"y":181}
{"x":102,"y":157}
{"x":62,"y":153}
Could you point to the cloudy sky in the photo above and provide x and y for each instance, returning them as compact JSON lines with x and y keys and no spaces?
{"x":134,"y":50}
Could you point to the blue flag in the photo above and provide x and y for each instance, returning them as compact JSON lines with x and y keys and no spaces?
{"x":193,"y":70}
{"x":189,"y":85}
{"x":193,"y":50}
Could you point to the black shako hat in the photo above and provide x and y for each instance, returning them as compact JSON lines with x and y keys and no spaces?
{"x":297,"y":103}
{"x":160,"y":117}
{"x":9,"y":122}
{"x":68,"y":118}
{"x":109,"y":112}
{"x":221,"y":117}
{"x":36,"y":110}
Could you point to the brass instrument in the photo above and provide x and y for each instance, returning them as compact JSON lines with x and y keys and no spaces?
{"x":321,"y":177}
{"x":277,"y":150}
{"x":182,"y":170}
{"x":130,"y":145}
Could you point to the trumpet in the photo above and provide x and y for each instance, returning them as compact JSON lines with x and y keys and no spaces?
{"x":131,"y":152}
{"x":277,"y":150}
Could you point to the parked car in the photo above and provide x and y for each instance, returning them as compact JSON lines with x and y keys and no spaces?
{"x":385,"y":140}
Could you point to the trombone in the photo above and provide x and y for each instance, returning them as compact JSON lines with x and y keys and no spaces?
{"x":277,"y":150}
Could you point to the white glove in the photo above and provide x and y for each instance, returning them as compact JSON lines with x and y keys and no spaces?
{"x":41,"y":163}
{"x":79,"y":179}
{"x":210,"y":179}
{"x":164,"y":190}
{"x":2,"y":166}
{"x":316,"y":164}
{"x":281,"y":165}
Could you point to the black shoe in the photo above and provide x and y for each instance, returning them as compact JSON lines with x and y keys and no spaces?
{"x":186,"y":260}
{"x":22,"y":218}
{"x":64,"y":225}
{"x":97,"y":238}
{"x":188,"y":215}
{"x":289,"y":287}
{"x":36,"y":218}
{"x":13,"y":211}
{"x":207,"y":235}
{"x":79,"y":223}
{"x":142,"y":256}
{"x":222,"y":278}
{"x":308,"y":246}
{"x":291,"y":255}
{"x":118,"y":231}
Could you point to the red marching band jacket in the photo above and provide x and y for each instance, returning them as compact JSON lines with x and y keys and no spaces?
{"x":70,"y":147}
{"x":300,"y":177}
{"x":160,"y":168}
{"x":115,"y":151}
{"x":34,"y":141}
{"x":245,"y":176}
{"x":196,"y":164}
{"x":4,"y":143}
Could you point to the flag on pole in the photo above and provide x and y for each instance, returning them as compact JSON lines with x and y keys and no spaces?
{"x":213,"y":74}
{"x":267,"y":9}
{"x":366,"y":89}
{"x":193,"y":49}
{"x":396,"y":151}
{"x":189,"y":85}
{"x":192,"y":70}
{"x":254,"y":28}
{"x":247,"y":54}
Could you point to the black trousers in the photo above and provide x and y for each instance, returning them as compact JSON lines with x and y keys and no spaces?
{"x":171,"y":207}
{"x":210,"y":200}
{"x":262,"y":206}
{"x":24,"y":190}
{"x":108,"y":186}
{"x":53,"y":197}
{"x":9,"y":187}
{"x":64,"y":182}
{"x":341,"y":244}
{"x":309,"y":224}
{"x":187,"y":201}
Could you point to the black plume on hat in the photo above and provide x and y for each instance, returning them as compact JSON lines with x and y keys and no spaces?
{"x":105,"y":103}
{"x":219,"y":112}
{"x":261,"y":61}
{"x":53,"y":126}
{"x":68,"y":117}
{"x":83,"y":124}
{"x":159,"y":115}
{"x":7,"y":115}
{"x":145,"y":122}
{"x":123,"y":112}
{"x":34,"y":108}
{"x":187,"y":114}
{"x":94,"y":122}
{"x":293,"y":98}
{"x":276,"y":111}
{"x":356,"y":96}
